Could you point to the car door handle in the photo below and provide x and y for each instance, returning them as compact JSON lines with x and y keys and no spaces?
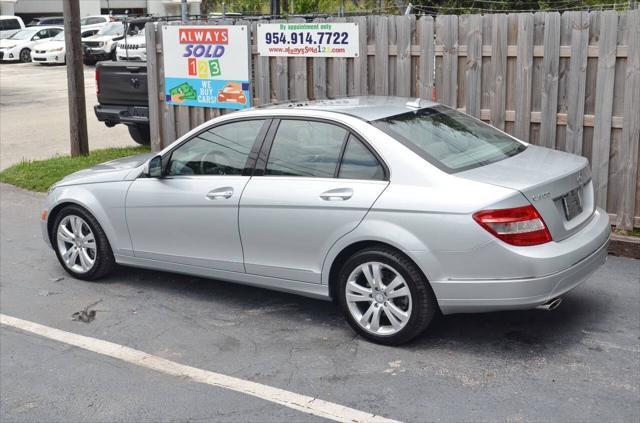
{"x":339,"y":194}
{"x":220,"y":193}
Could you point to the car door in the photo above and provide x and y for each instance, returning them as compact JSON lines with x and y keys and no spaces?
{"x":297,"y":206}
{"x":190,"y":216}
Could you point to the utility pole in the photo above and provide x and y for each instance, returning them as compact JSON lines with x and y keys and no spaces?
{"x":184,"y":11}
{"x":75,"y":78}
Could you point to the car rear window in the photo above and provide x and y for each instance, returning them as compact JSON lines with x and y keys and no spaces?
{"x":450,"y":140}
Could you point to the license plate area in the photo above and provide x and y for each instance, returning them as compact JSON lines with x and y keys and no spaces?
{"x":572,"y":204}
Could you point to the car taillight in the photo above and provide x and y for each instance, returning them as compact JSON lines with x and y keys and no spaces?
{"x":519,"y":226}
{"x":97,"y":81}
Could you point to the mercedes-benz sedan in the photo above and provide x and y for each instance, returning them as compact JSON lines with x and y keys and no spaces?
{"x":394,"y":208}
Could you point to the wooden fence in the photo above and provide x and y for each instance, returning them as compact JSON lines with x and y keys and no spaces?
{"x":568,"y":81}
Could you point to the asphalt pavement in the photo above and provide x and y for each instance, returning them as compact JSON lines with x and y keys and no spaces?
{"x":34,"y":114}
{"x":580,"y":362}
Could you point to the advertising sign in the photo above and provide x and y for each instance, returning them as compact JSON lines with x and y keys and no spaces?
{"x":321,"y":39}
{"x":206,"y":66}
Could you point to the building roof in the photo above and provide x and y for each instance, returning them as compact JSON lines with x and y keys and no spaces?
{"x":365,"y":107}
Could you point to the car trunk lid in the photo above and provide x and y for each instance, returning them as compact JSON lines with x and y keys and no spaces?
{"x":558,"y":185}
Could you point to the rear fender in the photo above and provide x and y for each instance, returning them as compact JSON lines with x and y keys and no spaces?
{"x":385,"y":232}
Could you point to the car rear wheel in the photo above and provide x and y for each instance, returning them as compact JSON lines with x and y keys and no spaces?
{"x":25,"y":55}
{"x":140,"y":134}
{"x":81,"y":245}
{"x":385,"y":297}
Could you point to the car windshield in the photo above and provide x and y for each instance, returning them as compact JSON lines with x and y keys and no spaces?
{"x":25,"y":34}
{"x":115,"y":28}
{"x":59,"y":37}
{"x":450,"y":140}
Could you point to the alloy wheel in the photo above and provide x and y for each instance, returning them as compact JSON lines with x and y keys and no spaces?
{"x":378,"y":298}
{"x":25,"y":56}
{"x":76,"y":244}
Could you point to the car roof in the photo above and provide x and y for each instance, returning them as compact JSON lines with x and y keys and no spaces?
{"x":364,"y":107}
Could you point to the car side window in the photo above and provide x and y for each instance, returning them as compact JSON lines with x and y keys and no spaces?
{"x":222,"y":150}
{"x":39,"y":35}
{"x":360,"y":163}
{"x":7,"y":24}
{"x":306,"y":148}
{"x":53,"y":32}
{"x":92,"y":21}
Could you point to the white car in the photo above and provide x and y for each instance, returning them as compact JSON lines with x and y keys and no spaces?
{"x":50,"y":51}
{"x":135,"y":48}
{"x":19,"y":45}
{"x":94,"y":23}
{"x":102,"y":46}
{"x":9,"y":25}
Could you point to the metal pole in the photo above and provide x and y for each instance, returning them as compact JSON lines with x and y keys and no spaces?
{"x":184,"y":11}
{"x":275,"y":7}
{"x":75,"y":78}
{"x":408,"y":10}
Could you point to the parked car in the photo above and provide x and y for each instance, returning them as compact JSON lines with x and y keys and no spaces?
{"x":133,"y":48}
{"x":102,"y":46}
{"x":394,"y":208}
{"x":94,"y":23}
{"x":19,"y":45}
{"x":50,"y":51}
{"x":47,"y":20}
{"x":9,"y":25}
{"x":122,"y":97}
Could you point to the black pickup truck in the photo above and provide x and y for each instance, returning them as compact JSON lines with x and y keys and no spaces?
{"x":122,"y":96}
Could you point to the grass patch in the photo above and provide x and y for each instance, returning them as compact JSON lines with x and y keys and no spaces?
{"x":39,"y":175}
{"x":634,"y":232}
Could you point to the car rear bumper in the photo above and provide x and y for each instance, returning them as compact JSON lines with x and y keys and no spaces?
{"x":130,"y":115}
{"x":482,"y":295}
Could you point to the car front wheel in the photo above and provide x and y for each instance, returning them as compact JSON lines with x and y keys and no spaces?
{"x":385,"y":297}
{"x":25,"y":55}
{"x":81,"y":245}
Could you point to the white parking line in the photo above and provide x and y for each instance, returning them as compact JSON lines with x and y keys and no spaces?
{"x":303,"y":403}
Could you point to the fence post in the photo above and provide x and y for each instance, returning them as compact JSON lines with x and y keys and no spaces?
{"x":631,"y":129}
{"x":153,"y":86}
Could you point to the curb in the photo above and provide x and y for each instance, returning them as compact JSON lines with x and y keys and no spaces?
{"x":624,"y":246}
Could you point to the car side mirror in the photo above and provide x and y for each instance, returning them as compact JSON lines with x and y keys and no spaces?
{"x":154,"y":167}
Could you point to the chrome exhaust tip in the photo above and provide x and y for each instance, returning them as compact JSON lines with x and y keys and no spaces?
{"x":550,"y":305}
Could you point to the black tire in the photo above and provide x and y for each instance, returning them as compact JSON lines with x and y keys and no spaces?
{"x":104,"y":261}
{"x":424,"y":304}
{"x":25,"y":55}
{"x":140,"y":134}
{"x":89,"y":62}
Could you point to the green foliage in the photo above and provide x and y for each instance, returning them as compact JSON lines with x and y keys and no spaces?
{"x":333,"y":7}
{"x":40,"y":175}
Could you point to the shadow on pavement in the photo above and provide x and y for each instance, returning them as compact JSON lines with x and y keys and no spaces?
{"x":511,"y":334}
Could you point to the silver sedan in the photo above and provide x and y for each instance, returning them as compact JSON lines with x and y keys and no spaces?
{"x":396,"y":209}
